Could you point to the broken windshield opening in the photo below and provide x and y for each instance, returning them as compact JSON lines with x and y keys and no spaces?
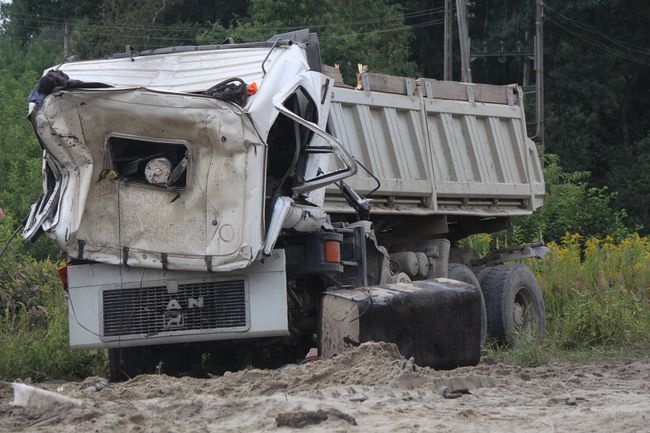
{"x":149,"y":162}
{"x":314,"y":152}
{"x":286,"y":140}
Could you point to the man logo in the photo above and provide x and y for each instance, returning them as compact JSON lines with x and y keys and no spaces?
{"x":173,"y":319}
{"x":173,"y":304}
{"x":173,"y":316}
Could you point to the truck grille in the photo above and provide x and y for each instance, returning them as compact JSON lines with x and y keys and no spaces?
{"x":152,"y":310}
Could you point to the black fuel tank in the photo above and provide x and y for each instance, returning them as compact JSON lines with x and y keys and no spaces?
{"x":437,"y":322}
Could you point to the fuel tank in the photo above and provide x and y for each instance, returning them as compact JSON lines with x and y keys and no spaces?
{"x":437,"y":322}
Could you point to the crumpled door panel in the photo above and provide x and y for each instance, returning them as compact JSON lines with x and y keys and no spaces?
{"x":210,"y":221}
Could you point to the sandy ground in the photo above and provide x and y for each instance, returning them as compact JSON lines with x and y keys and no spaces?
{"x":369,"y":389}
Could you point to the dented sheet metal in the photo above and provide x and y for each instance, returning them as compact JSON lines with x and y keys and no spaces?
{"x":140,"y":224}
{"x":178,"y":72}
{"x":103,"y":145}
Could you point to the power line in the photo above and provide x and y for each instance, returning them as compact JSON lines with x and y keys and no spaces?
{"x":161,"y":36}
{"x":396,"y":29}
{"x":57,"y":21}
{"x":114,"y":32}
{"x":599,"y":44}
{"x":145,"y":37}
{"x":599,"y":32}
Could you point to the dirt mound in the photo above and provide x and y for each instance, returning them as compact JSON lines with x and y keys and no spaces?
{"x":370,"y":364}
{"x":369,"y":388}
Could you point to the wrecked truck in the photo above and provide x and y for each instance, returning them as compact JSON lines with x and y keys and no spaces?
{"x":239,"y":198}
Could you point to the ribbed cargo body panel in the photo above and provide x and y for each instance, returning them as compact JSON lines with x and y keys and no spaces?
{"x":438,"y":156}
{"x":153,"y":310}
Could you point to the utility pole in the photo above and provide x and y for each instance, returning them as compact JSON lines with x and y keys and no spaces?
{"x":449,"y":21}
{"x":466,"y":64}
{"x":66,"y":38}
{"x":539,"y":70}
{"x":525,"y":81}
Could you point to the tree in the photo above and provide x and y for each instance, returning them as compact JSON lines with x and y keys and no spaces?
{"x":371,"y":32}
{"x":596,"y":85}
{"x":571,"y":205}
{"x":597,"y":60}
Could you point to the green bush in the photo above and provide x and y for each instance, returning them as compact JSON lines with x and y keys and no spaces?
{"x":571,"y":205}
{"x":597,"y":299}
{"x":597,"y":291}
{"x":33,"y":321}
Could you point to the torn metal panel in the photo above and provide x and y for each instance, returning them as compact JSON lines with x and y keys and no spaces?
{"x":176,"y":72}
{"x":151,"y":174}
{"x":216,"y":211}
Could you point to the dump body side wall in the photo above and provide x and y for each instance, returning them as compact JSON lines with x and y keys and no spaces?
{"x":438,"y":156}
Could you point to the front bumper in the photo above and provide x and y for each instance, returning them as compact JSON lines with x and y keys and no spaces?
{"x":115,"y":306}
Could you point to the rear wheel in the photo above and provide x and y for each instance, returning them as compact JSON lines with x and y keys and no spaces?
{"x":514,"y":303}
{"x":460,"y":272}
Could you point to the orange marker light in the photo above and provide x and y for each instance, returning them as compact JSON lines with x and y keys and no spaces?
{"x":63,"y":275}
{"x":332,"y":252}
{"x":251,"y":89}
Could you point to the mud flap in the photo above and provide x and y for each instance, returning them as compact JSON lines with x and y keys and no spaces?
{"x":437,"y":322}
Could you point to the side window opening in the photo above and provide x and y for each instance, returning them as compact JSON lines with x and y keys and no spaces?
{"x":150,"y":162}
{"x":286,"y":140}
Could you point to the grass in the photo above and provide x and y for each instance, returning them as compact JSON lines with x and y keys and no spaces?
{"x":34,"y":326}
{"x":546,"y":351}
{"x":597,"y":299}
{"x":597,"y":291}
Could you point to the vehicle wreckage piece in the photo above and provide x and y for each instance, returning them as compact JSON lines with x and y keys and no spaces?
{"x":148,"y":159}
{"x":199,"y":195}
{"x":436,"y":322}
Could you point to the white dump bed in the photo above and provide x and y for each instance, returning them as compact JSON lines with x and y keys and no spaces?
{"x":437,"y":147}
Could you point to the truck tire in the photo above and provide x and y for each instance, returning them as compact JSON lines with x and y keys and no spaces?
{"x":514,"y":303}
{"x":460,"y":272}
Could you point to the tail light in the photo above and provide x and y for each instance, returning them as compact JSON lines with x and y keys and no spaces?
{"x":63,"y":275}
{"x":333,"y":252}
